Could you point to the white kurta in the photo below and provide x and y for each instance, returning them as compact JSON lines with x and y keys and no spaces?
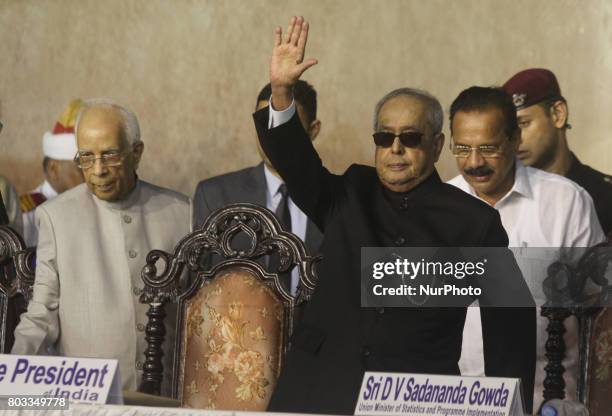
{"x":541,"y":210}
{"x":89,"y":258}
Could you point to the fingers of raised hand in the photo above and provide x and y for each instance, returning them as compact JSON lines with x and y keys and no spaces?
{"x":278,"y":33}
{"x":297,"y":30}
{"x":290,"y":28}
{"x":306,"y":64}
{"x":301,"y":42}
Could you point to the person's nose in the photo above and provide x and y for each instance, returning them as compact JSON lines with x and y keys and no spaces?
{"x":475,"y":159}
{"x":397,"y":147}
{"x":99,"y":168}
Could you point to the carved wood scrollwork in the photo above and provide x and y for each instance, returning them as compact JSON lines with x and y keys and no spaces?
{"x":217,"y":236}
{"x":565,"y":286}
{"x":16,"y":281}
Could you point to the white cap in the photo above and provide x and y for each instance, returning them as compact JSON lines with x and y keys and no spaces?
{"x":60,"y":146}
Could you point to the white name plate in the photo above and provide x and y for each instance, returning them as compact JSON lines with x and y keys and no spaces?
{"x":424,"y":394}
{"x":80,"y":380}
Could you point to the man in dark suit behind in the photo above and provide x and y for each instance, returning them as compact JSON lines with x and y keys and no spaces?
{"x":261,"y":184}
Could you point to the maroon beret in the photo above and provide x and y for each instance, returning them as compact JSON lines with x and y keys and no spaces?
{"x":532,"y":86}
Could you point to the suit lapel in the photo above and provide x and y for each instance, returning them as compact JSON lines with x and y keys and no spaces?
{"x":254,"y":187}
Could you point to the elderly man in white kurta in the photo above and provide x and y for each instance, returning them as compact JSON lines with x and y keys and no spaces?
{"x":93,"y":240}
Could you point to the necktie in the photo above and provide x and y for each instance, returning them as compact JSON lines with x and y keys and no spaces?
{"x":284,"y":217}
{"x":282,"y":210}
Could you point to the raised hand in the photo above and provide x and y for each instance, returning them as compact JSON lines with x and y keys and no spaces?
{"x":288,"y":64}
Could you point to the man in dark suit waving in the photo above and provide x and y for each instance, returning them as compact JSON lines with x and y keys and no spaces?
{"x":400,"y":202}
{"x":261,"y":184}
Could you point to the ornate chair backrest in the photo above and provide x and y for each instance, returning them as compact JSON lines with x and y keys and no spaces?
{"x":597,"y":366}
{"x":235,"y":318}
{"x":16,"y":281}
{"x":594,"y":329}
{"x":595,"y":383}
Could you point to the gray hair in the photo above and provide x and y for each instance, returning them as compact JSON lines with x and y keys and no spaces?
{"x":435,"y":115}
{"x":129,"y":122}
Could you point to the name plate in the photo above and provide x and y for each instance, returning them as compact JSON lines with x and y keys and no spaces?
{"x":425,"y":394}
{"x":79,"y":380}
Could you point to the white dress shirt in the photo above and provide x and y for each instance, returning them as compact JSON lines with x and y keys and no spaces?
{"x":298,"y":218}
{"x":276,"y":118}
{"x":30,"y":229}
{"x":540,"y":210}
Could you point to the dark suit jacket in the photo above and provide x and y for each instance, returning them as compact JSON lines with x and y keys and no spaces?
{"x":3,"y":216}
{"x":338,"y":339}
{"x":599,"y":186}
{"x":246,"y":185}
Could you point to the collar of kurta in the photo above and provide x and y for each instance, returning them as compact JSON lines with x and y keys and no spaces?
{"x":124,"y":204}
{"x":432,"y":182}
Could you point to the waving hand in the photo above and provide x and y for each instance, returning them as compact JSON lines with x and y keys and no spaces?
{"x":288,"y":64}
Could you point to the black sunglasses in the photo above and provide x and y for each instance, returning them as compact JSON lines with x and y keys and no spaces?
{"x":408,"y":139}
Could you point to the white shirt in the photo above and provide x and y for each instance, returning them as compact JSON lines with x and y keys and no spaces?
{"x":30,"y":229}
{"x":540,"y":210}
{"x":276,"y":118}
{"x":298,"y":218}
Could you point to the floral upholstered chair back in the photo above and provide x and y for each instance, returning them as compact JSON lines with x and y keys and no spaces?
{"x":235,"y":316}
{"x":16,"y":281}
{"x":232,"y":343}
{"x":599,"y":377}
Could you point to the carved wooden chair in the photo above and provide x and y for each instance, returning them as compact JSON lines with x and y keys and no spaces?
{"x":594,"y":332}
{"x":16,"y":281}
{"x":234,"y":319}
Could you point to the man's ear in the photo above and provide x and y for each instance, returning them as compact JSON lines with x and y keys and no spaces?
{"x":138,"y":149}
{"x":559,"y":114}
{"x":314,"y":129}
{"x":52,"y":170}
{"x":438,"y":145}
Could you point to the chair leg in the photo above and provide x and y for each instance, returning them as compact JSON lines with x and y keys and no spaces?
{"x":554,"y":385}
{"x":155,"y":333}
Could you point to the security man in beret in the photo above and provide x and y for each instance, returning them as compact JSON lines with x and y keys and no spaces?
{"x":542,"y":114}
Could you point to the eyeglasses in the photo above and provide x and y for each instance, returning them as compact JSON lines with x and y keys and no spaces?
{"x":408,"y":139}
{"x":487,"y":151}
{"x":108,"y":159}
{"x":1,"y":125}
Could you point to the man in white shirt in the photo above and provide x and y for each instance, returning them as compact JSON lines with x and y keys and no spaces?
{"x":537,"y":209}
{"x":262,"y":185}
{"x":61,"y":172}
